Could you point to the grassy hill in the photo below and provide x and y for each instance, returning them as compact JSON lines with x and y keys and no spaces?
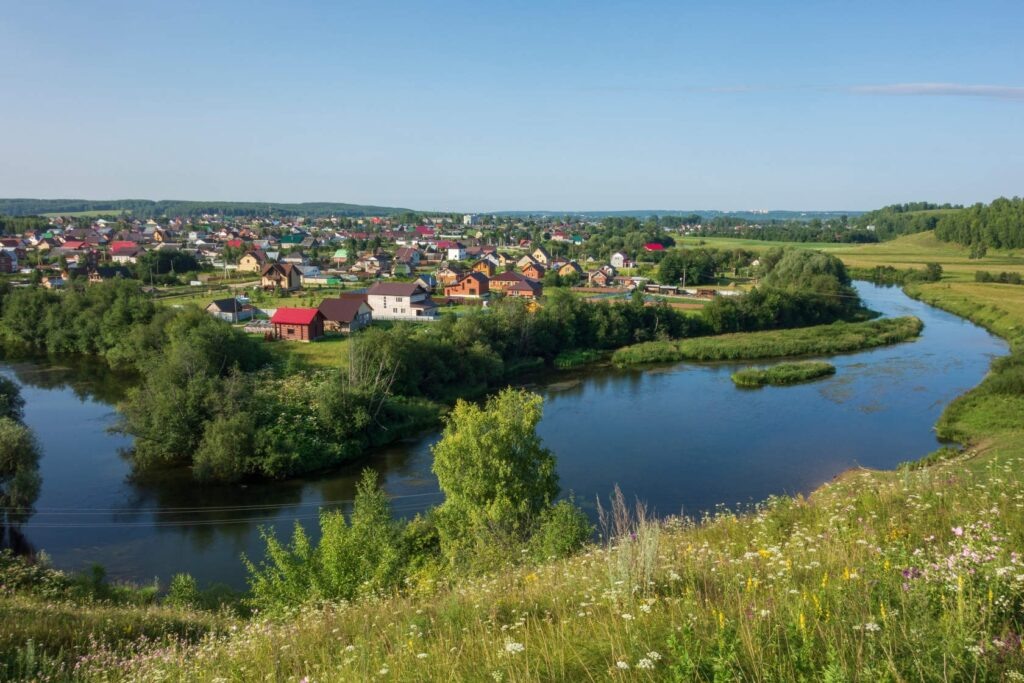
{"x":913,"y":574}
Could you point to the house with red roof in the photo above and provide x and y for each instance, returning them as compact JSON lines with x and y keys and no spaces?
{"x":654,"y":246}
{"x":298,"y":324}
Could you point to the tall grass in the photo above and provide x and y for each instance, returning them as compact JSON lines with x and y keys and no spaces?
{"x":782,"y":374}
{"x":839,"y":337}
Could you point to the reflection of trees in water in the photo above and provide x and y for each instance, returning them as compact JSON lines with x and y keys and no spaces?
{"x":19,"y":466}
{"x":88,"y":378}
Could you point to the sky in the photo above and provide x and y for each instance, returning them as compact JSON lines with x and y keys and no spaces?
{"x":515,"y":105}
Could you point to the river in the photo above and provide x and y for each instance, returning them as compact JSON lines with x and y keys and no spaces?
{"x":680,"y":437}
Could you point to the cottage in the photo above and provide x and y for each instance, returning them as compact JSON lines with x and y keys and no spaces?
{"x":401,"y":301}
{"x":570,"y":269}
{"x":485,"y":267}
{"x":602,"y":277}
{"x":125,"y":254}
{"x":534,"y":271}
{"x":525,"y":289}
{"x":620,"y":260}
{"x":448,"y":275}
{"x":280,"y":275}
{"x":541,"y":256}
{"x":105,"y":273}
{"x":473,"y":286}
{"x":502,"y":281}
{"x":253,"y":262}
{"x":232,"y":310}
{"x":298,"y":324}
{"x":346,"y":314}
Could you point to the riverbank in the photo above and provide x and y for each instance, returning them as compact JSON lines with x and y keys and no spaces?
{"x":840,"y":337}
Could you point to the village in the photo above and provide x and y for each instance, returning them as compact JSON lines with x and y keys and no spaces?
{"x":349,"y":272}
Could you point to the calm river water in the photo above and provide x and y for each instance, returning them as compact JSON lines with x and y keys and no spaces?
{"x":679,"y":437}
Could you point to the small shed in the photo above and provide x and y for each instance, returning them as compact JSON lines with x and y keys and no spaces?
{"x":298,"y":324}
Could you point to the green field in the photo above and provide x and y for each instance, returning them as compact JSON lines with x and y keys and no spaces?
{"x":909,"y":251}
{"x":330,"y":352}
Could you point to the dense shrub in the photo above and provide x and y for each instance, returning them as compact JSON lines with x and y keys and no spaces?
{"x":782,"y":374}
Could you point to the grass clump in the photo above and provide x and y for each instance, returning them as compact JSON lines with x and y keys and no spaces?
{"x":839,"y":337}
{"x":783,"y":374}
{"x":567,"y":360}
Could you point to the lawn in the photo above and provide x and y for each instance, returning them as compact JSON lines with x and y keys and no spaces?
{"x":330,"y":352}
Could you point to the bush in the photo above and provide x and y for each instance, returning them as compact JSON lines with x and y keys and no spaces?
{"x":563,"y":530}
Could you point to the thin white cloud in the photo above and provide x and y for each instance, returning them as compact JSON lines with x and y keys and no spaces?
{"x":1001,"y":92}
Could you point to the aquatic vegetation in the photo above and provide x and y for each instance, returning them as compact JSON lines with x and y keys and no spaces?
{"x":783,"y":373}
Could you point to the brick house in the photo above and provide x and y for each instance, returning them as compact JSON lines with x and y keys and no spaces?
{"x":534,"y":271}
{"x":473,"y":286}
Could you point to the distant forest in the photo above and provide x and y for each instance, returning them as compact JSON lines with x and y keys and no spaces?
{"x":998,"y":225}
{"x":146,"y":208}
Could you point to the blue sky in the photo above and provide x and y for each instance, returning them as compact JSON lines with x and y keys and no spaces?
{"x":515,"y":105}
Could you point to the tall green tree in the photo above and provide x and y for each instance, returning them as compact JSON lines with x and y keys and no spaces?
{"x":496,"y":475}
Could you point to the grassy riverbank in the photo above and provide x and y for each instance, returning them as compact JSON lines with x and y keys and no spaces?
{"x":783,"y":374}
{"x":906,"y":575}
{"x":840,"y":337}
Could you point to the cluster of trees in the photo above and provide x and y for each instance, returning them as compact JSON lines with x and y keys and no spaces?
{"x":888,"y":275}
{"x":500,"y":487}
{"x":626,"y":234}
{"x":903,"y":219}
{"x":164,"y":267}
{"x":999,"y":225}
{"x":1004,"y":277}
{"x":700,"y":266}
{"x":798,"y":288}
{"x":15,"y":225}
{"x":110,"y":320}
{"x":19,"y":461}
{"x":839,"y":230}
{"x":144,"y":208}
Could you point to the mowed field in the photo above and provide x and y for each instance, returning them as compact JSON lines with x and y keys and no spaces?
{"x":911,"y":251}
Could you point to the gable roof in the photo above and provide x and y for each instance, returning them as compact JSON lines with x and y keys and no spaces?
{"x":394,"y":289}
{"x":342,"y":309}
{"x":227,"y":305}
{"x":295,"y":316}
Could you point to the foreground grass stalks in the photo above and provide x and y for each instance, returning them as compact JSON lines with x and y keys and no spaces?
{"x":840,"y":337}
{"x":783,"y":374}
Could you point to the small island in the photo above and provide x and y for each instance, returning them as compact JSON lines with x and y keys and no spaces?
{"x":783,"y":374}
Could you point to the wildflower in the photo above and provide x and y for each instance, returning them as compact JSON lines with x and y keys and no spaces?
{"x":383,"y":671}
{"x":645,"y":608}
{"x":621,"y":664}
{"x":654,"y":656}
{"x":645,"y":663}
{"x":513,"y":648}
{"x":422,"y":655}
{"x":958,"y":531}
{"x":627,"y":617}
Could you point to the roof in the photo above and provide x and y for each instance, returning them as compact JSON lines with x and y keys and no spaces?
{"x":294,"y":316}
{"x":342,"y":310}
{"x":394,"y":288}
{"x":654,"y":246}
{"x":225,"y":305}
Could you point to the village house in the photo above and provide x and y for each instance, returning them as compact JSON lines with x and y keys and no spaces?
{"x":455,"y":251}
{"x":448,"y":275}
{"x":541,"y":256}
{"x":408,"y":255}
{"x":298,"y":324}
{"x":602,"y":277}
{"x":401,"y":301}
{"x":280,"y":275}
{"x":502,"y":281}
{"x":474,"y":286}
{"x":347,"y":313}
{"x":232,"y":310}
{"x":534,"y":271}
{"x":569,"y":269}
{"x":253,"y":262}
{"x":525,"y":289}
{"x":485,"y":267}
{"x":105,"y":273}
{"x":620,"y":260}
{"x":123,"y":254}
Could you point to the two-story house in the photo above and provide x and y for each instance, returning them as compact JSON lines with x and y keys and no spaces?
{"x":400,"y":301}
